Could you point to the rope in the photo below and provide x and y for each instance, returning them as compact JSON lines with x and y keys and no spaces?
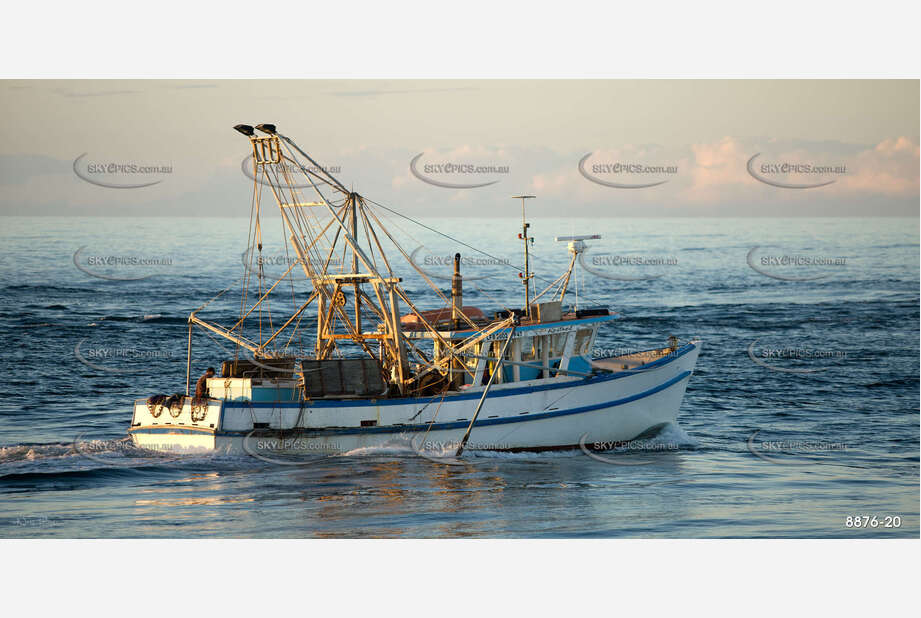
{"x":219,"y":294}
{"x":434,"y":417}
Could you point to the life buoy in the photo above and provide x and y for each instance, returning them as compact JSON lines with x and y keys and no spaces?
{"x":174,"y":404}
{"x":155,"y":405}
{"x":199,"y":409}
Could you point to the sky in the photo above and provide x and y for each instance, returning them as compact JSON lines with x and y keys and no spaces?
{"x":585,"y":148}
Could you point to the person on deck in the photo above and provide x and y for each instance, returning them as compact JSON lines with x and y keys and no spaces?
{"x":201,"y":387}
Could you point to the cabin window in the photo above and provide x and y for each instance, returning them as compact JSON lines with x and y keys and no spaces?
{"x":583,"y":340}
{"x":557,"y":344}
{"x":528,"y":349}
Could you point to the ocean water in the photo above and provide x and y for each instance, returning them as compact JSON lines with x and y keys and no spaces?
{"x":802,"y":414}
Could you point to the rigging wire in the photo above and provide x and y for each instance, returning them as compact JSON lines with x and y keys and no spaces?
{"x":458,"y":241}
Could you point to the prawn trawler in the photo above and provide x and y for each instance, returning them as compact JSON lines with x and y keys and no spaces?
{"x":379,"y":370}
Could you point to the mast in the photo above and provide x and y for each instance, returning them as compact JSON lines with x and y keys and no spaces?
{"x":526,"y":276}
{"x":315,"y":244}
{"x":353,"y":200}
{"x":457,"y":293}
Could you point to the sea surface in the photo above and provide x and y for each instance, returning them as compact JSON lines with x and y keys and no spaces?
{"x":801,"y":419}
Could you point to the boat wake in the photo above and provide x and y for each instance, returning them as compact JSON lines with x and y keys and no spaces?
{"x":399,"y":446}
{"x":121,"y":453}
{"x":32,"y":452}
{"x":674,"y":434}
{"x":671,"y":437}
{"x":110,"y":449}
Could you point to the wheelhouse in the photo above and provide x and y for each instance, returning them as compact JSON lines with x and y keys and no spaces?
{"x":548,"y":345}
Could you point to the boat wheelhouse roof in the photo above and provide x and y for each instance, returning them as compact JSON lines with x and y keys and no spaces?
{"x":525,"y":327}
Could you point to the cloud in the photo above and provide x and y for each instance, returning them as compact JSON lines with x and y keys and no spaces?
{"x":889,"y":169}
{"x":429,"y":163}
{"x":711,"y":180}
{"x":866,"y":172}
{"x":717,"y":171}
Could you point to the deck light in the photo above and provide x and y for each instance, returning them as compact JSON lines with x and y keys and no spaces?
{"x":268,"y":129}
{"x":245,"y":129}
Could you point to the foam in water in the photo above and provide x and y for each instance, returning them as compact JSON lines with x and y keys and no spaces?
{"x":32,"y":452}
{"x":671,"y":437}
{"x":674,"y":434}
{"x":401,"y":445}
{"x":107,"y":451}
{"x":122,"y":452}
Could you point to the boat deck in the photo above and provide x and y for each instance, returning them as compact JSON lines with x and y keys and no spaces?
{"x":626,"y":362}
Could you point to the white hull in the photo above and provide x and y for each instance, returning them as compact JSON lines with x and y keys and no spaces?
{"x":554,"y":413}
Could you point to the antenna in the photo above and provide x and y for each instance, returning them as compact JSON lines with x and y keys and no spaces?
{"x":526,"y":276}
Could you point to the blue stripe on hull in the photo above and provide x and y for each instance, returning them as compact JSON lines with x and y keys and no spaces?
{"x":441,"y":426}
